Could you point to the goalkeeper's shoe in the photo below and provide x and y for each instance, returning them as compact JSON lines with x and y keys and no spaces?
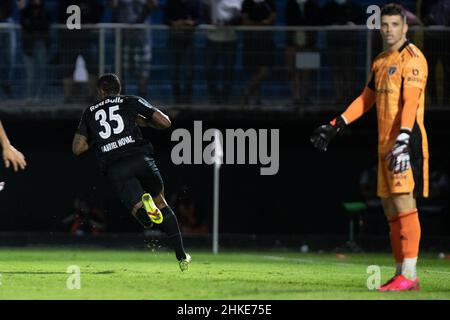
{"x":322,"y":136}
{"x":184,"y":263}
{"x":403,"y":284}
{"x":153,"y":212}
{"x":385,"y":287}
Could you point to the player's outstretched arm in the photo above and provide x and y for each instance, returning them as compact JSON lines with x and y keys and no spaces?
{"x":149,"y":116}
{"x":323,"y":135}
{"x":79,"y":144}
{"x":160,"y":120}
{"x":10,"y":154}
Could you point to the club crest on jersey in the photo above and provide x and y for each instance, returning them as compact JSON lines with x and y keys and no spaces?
{"x":392,"y":70}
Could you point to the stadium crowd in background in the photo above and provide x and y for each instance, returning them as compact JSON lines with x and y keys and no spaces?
{"x":182,"y":16}
{"x":223,"y":47}
{"x":136,"y":43}
{"x":7,"y":47}
{"x":35,"y":21}
{"x":437,"y":13}
{"x":84,"y":42}
{"x":301,"y":13}
{"x":258,"y":45}
{"x":342,"y":46}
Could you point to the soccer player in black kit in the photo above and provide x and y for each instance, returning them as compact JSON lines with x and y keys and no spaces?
{"x":111,"y":127}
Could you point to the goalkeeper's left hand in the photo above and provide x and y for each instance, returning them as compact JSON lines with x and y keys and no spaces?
{"x":399,"y":157}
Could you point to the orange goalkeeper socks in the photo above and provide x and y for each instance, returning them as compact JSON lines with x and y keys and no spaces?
{"x":410,"y":234}
{"x":405,"y":240}
{"x":394,"y":226}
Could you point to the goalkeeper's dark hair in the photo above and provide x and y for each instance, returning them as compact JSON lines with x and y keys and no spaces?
{"x":109,"y":83}
{"x":394,"y":9}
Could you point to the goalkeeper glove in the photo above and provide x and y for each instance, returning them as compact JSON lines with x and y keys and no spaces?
{"x":322,"y":136}
{"x":399,"y":157}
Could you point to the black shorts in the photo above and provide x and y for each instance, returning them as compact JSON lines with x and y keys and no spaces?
{"x":133,"y":176}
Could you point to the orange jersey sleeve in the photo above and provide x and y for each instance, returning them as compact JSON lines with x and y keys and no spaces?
{"x":411,"y":96}
{"x":360,"y":105}
{"x":414,"y":77}
{"x":415,"y":73}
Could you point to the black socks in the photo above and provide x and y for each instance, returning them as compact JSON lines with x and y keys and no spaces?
{"x":143,"y":218}
{"x":170,"y":226}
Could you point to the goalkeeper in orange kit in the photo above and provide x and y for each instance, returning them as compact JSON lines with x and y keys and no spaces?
{"x":397,"y":86}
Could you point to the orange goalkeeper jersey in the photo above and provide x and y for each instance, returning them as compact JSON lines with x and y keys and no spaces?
{"x":392,"y":73}
{"x":397,"y":85}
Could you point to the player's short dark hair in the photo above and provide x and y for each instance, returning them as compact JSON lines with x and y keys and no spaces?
{"x":109,"y":83}
{"x":394,"y":9}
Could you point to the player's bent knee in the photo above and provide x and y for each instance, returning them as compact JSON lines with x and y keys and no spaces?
{"x":160,"y":201}
{"x":391,"y":215}
{"x":404,"y":202}
{"x":136,"y":207}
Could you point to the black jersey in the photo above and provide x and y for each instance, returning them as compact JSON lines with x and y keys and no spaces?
{"x":111,"y":129}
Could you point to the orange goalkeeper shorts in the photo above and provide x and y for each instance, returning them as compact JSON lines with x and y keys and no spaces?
{"x":414,"y":180}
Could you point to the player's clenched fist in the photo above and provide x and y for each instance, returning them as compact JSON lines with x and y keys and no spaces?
{"x":13,"y":156}
{"x":322,"y":136}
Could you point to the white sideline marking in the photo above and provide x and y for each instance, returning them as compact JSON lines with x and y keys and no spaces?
{"x":277,"y":258}
{"x":288,"y":259}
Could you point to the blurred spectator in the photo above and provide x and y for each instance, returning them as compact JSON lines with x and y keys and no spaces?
{"x":434,"y":209}
{"x":439,"y":185}
{"x":7,"y":47}
{"x":80,"y":43}
{"x":136,"y":43}
{"x":437,"y":13}
{"x":258,"y":45}
{"x":182,"y":16}
{"x":87,"y":217}
{"x":412,"y":19}
{"x":342,"y":47}
{"x":221,"y":47}
{"x":189,"y":212}
{"x":35,"y":21}
{"x":300,"y":13}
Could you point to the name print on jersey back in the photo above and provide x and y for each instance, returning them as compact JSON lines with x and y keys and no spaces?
{"x":116,"y":144}
{"x":111,"y":126}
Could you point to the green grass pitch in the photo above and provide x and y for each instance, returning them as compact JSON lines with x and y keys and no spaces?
{"x":40,"y":273}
